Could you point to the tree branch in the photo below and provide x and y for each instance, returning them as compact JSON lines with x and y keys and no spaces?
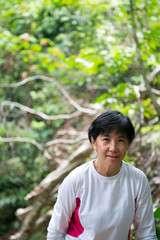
{"x":66,"y":141}
{"x":27,"y":140}
{"x":19,"y":139}
{"x":142,"y":88}
{"x":38,"y":113}
{"x":40,"y":222}
{"x":63,"y":91}
{"x":154,"y":74}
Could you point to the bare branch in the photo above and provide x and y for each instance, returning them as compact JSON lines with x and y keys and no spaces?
{"x":22,"y":212}
{"x":19,"y":139}
{"x":71,"y":132}
{"x":40,"y":222}
{"x":142,"y":88}
{"x":66,"y":141}
{"x":154,"y":74}
{"x":27,"y":140}
{"x":38,"y":113}
{"x":26,"y":80}
{"x":63,"y":91}
{"x":155,"y":91}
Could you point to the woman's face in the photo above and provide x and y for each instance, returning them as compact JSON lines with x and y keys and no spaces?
{"x":111,"y":148}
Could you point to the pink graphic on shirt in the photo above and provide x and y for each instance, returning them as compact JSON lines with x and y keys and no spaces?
{"x":135,"y":200}
{"x":130,"y":229}
{"x":75,"y":228}
{"x":129,"y":234}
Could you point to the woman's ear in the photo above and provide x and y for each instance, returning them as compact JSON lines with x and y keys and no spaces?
{"x":94,"y":144}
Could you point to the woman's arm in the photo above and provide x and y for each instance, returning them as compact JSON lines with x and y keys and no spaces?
{"x":144,"y":218}
{"x":63,"y":209}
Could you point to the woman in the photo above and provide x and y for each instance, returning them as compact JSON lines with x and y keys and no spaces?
{"x":100,"y":199}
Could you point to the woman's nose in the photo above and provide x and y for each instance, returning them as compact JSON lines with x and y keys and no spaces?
{"x":112,"y":146}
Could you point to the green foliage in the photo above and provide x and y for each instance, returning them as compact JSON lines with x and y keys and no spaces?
{"x":157,"y":221}
{"x":11,"y":198}
{"x":157,"y":213}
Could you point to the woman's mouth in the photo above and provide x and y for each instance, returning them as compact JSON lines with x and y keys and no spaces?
{"x":113,"y":157}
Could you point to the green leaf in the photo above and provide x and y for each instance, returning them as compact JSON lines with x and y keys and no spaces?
{"x":157,"y":213}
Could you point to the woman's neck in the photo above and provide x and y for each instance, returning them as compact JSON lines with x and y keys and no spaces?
{"x":107,"y":171}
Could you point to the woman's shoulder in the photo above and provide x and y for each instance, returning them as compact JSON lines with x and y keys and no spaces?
{"x":134,"y":171}
{"x":137,"y":179}
{"x":78,"y":174}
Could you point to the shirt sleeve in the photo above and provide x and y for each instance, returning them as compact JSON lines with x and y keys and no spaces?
{"x":144,"y":219}
{"x":63,"y":209}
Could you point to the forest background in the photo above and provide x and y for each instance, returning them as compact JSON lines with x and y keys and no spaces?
{"x":62,"y":62}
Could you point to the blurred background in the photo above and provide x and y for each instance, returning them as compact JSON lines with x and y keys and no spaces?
{"x":62,"y":62}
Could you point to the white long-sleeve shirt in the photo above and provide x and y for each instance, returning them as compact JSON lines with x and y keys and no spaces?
{"x":94,"y":207}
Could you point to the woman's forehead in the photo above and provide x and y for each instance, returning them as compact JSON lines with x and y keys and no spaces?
{"x":117,"y":132}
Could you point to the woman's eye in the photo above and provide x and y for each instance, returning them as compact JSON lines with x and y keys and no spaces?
{"x":106,"y":139}
{"x":121,"y":140}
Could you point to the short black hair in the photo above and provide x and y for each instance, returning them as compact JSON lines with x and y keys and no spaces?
{"x":110,"y":120}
